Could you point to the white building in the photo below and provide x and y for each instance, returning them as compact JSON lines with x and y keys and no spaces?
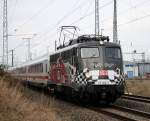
{"x":130,"y":69}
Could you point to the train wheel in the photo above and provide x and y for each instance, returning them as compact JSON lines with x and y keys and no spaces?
{"x":84,"y":97}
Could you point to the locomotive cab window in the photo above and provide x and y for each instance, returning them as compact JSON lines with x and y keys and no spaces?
{"x":90,"y":52}
{"x":113,"y":52}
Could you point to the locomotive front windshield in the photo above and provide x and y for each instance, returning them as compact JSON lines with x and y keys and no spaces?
{"x":113,"y":52}
{"x":90,"y":52}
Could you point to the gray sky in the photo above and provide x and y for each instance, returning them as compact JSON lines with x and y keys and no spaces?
{"x":44,"y":17}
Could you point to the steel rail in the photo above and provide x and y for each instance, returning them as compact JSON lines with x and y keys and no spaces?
{"x":111,"y":114}
{"x":133,"y":111}
{"x":136,"y":98}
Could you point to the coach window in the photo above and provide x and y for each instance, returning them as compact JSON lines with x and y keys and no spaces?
{"x":46,"y":68}
{"x":36,"y":68}
{"x":31,"y":68}
{"x":41,"y":65}
{"x":39,"y":68}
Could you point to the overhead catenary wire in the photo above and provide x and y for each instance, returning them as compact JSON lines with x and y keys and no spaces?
{"x":32,"y":17}
{"x":120,"y":13}
{"x":39,"y":12}
{"x":129,"y":22}
{"x":88,"y":14}
{"x":83,"y":18}
{"x":21,"y":44}
{"x":36,"y":14}
{"x":63,"y":18}
{"x":123,"y":12}
{"x":13,"y":12}
{"x":136,"y":19}
{"x":71,"y":12}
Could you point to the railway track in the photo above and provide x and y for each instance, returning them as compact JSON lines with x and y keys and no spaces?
{"x":120,"y":113}
{"x":136,"y":98}
{"x":123,"y":113}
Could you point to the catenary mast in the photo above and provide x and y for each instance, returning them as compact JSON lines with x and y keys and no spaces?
{"x":96,"y":17}
{"x":115,"y":31}
{"x":5,"y":34}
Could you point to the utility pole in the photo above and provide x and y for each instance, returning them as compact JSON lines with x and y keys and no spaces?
{"x":143,"y":57}
{"x":102,"y":32}
{"x":5,"y":34}
{"x":29,"y":47}
{"x":115,"y":31}
{"x":12,"y":59}
{"x":96,"y":17}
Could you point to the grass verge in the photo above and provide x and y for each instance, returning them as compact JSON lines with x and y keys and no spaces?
{"x":18,"y":103}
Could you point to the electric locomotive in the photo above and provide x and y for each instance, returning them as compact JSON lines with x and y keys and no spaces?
{"x":89,"y":67}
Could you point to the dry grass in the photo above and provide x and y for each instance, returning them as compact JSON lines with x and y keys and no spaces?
{"x":20,"y":104}
{"x":139,"y":87}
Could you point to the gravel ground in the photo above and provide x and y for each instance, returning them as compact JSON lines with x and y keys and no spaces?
{"x":133,"y":104}
{"x":71,"y":112}
{"x":127,"y":114}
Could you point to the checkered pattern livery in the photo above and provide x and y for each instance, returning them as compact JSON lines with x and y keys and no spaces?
{"x":81,"y":79}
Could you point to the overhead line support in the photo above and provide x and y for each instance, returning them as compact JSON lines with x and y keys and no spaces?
{"x":115,"y":31}
{"x":96,"y":17}
{"x":5,"y":34}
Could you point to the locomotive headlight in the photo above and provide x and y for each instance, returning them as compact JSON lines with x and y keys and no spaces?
{"x":88,"y":75}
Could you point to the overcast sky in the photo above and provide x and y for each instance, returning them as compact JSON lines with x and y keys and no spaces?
{"x":44,"y":17}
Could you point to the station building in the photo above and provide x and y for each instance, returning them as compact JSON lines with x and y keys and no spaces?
{"x":136,"y":69}
{"x":130,"y":69}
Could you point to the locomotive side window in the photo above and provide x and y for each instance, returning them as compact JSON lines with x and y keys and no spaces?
{"x":53,"y":58}
{"x":89,"y":52}
{"x":66,"y":55}
{"x":112,"y":52}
